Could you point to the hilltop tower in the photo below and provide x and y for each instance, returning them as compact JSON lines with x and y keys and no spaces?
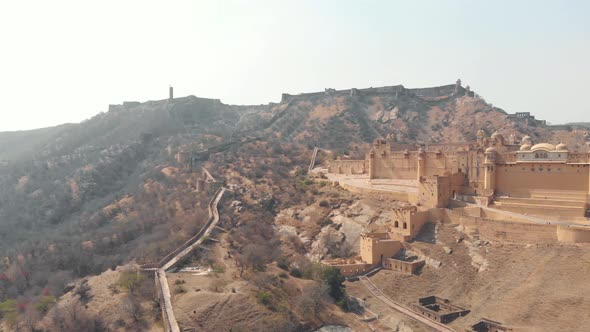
{"x":171,"y":93}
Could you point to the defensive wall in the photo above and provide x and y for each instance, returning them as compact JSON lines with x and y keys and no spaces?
{"x":430,"y":93}
{"x":150,"y":104}
{"x":527,"y":118}
{"x":436,"y":91}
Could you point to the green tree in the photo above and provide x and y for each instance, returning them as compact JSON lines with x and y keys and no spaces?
{"x":334,"y":279}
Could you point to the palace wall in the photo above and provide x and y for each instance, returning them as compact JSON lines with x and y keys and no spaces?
{"x":394,"y":167}
{"x":348,"y":167}
{"x":404,"y":165}
{"x":526,"y":179}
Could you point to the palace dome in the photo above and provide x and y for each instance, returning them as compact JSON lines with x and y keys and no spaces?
{"x":561,"y":147}
{"x":525,"y":147}
{"x":543,"y":146}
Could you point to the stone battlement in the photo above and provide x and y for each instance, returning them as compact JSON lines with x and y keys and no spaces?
{"x":127,"y":105}
{"x":526,"y":117}
{"x":429,"y":93}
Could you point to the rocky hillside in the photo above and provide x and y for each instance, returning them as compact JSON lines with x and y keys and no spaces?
{"x":337,"y":121}
{"x":78,"y":199}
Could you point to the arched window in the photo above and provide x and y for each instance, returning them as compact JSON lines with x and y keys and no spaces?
{"x":536,"y":155}
{"x":396,"y":224}
{"x":405,"y":225}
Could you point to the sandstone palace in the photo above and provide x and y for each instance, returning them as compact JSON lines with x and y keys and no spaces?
{"x":503,"y":189}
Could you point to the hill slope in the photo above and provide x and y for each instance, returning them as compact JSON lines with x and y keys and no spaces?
{"x":77,"y":199}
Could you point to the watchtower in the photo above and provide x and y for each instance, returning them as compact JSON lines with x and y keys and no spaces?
{"x":171,"y":92}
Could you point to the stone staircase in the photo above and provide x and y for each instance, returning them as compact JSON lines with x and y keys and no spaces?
{"x":556,"y":204}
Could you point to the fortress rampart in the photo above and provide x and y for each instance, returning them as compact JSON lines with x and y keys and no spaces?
{"x":127,"y":105}
{"x":397,"y":90}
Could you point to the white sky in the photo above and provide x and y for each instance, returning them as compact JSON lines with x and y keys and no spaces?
{"x":65,"y":61}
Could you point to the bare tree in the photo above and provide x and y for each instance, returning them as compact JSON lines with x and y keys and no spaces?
{"x":72,"y":317}
{"x":132,"y":307}
{"x":312,"y":300}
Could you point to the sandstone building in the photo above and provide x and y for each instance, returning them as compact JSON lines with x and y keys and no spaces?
{"x":499,"y":188}
{"x":542,"y":179}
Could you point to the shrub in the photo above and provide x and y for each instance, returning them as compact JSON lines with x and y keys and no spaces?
{"x":179,"y":290}
{"x":265,"y":297}
{"x":307,"y":182}
{"x":334,"y":279}
{"x":296,"y":273}
{"x":130,"y":280}
{"x":218,"y":268}
{"x":179,"y":281}
{"x":324,"y":203}
{"x":283,"y":263}
{"x":325,"y":222}
{"x":283,"y":275}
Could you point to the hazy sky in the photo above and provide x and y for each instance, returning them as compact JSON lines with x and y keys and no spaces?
{"x":65,"y":61}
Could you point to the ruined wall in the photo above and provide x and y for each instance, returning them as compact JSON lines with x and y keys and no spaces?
{"x":402,"y":266}
{"x":523,"y":180}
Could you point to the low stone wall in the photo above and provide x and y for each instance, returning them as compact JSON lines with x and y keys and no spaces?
{"x":573,"y":234}
{"x":502,"y":230}
{"x":352,"y":270}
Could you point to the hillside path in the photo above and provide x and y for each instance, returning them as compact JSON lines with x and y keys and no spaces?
{"x":170,"y":323}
